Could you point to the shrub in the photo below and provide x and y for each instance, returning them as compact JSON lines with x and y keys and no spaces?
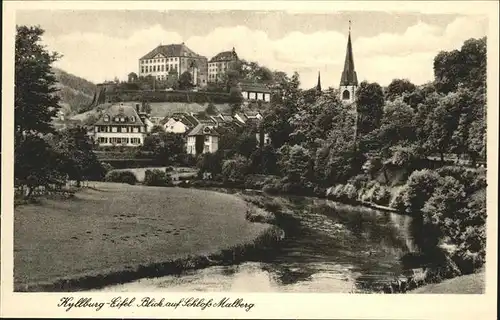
{"x":381,"y":195}
{"x":359,"y":181}
{"x":121,"y":176}
{"x":107,"y":167}
{"x":169,"y":169}
{"x":157,"y":178}
{"x":271,"y":188}
{"x":398,"y":202}
{"x":344,"y":193}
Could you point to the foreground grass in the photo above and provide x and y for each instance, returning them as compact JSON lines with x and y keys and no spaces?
{"x":468,"y":284}
{"x":119,"y":231}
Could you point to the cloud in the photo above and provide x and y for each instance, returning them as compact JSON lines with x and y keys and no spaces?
{"x":381,"y":58}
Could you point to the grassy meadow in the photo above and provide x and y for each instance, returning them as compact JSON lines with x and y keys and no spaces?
{"x":468,"y":284}
{"x":115,"y":228}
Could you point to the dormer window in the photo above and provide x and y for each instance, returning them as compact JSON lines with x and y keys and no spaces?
{"x":122,"y":119}
{"x":106,"y":118}
{"x":132,"y":118}
{"x":116,"y":119}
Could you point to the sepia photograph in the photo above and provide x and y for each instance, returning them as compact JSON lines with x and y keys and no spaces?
{"x":248,"y":151}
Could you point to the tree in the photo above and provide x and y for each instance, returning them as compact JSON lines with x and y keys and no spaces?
{"x":167,"y":147}
{"x":295,"y":163}
{"x":185,"y":81}
{"x":235,"y":169}
{"x":277,"y":119}
{"x":396,"y":128}
{"x":399,"y":88}
{"x":80,"y":161}
{"x":235,"y":98}
{"x":466,"y":66}
{"x":35,"y":100}
{"x":211,"y":109}
{"x":369,"y":103}
{"x":157,"y":129}
{"x":441,"y":123}
{"x":37,"y":164}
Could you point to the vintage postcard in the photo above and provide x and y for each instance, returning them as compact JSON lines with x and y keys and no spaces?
{"x":249,"y":159}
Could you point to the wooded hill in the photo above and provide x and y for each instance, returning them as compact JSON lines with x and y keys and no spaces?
{"x":76,"y":93}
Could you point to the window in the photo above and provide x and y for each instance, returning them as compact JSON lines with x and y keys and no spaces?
{"x":124,"y":129}
{"x":132,"y":118}
{"x":135,"y":140}
{"x":135,"y":129}
{"x":162,"y":67}
{"x":207,"y":138}
{"x":122,"y":119}
{"x":346,"y":95}
{"x":142,"y":69}
{"x":114,"y":129}
{"x":106,"y":118}
{"x":154,"y":68}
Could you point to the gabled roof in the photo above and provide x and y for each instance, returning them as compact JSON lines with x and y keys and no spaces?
{"x":251,"y":113}
{"x":225,"y":56}
{"x":241,"y":116}
{"x":202,"y":130}
{"x":254,"y":87}
{"x":125,"y":111}
{"x":171,"y":50}
{"x":203,"y":118}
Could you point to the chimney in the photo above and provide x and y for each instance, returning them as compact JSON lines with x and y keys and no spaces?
{"x":138,"y":108}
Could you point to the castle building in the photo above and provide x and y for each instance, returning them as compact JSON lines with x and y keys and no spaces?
{"x":165,"y":60}
{"x":219,"y":64}
{"x":349,"y":78}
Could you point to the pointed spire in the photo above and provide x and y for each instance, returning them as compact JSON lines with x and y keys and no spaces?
{"x":318,"y":86}
{"x":349,"y":77}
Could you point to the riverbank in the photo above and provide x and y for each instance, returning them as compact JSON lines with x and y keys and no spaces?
{"x":117,"y":233}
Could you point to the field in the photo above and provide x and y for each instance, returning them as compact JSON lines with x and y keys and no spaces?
{"x":118,"y":227}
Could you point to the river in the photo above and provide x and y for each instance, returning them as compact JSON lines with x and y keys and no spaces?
{"x":328,"y":247}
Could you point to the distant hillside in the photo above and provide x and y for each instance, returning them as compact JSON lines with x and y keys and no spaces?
{"x":76,"y":93}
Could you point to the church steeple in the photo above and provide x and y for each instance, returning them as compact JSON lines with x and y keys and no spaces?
{"x":349,"y":78}
{"x":318,"y":86}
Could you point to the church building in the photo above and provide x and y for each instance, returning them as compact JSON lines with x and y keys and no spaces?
{"x":349,"y":79}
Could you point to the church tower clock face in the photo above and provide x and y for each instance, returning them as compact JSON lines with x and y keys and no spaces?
{"x":349,"y":78}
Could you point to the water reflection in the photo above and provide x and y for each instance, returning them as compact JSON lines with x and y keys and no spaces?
{"x":328,"y":248}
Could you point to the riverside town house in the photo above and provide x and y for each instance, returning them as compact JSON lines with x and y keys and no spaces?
{"x":202,"y":139}
{"x":219,"y":64}
{"x":173,"y":60}
{"x":255,"y":91}
{"x":121,"y":125}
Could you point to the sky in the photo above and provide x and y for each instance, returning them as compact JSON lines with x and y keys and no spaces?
{"x":99,"y":45}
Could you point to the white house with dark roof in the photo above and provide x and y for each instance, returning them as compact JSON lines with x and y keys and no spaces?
{"x":121,"y":125}
{"x":165,"y":59}
{"x":179,"y":123}
{"x":220,"y":63}
{"x":202,"y":139}
{"x":255,"y":91}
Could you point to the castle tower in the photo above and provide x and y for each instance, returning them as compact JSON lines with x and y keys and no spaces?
{"x":349,"y":79}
